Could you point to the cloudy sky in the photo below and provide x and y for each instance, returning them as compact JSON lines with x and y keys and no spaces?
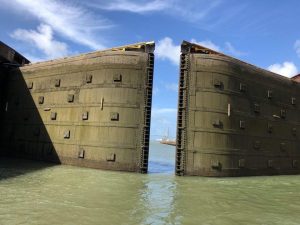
{"x":263,"y":32}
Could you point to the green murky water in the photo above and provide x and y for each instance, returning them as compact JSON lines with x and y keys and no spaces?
{"x":39,"y":193}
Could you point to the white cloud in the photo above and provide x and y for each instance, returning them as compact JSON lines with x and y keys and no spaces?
{"x":190,"y":13}
{"x":232,"y":50}
{"x":131,"y":6}
{"x":297,"y":47}
{"x":42,"y":38}
{"x":172,"y":87}
{"x":178,"y":8}
{"x":69,"y":20}
{"x":207,"y":44}
{"x":287,"y":69}
{"x":166,"y":49}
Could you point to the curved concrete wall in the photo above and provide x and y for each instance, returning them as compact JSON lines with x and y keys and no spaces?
{"x":91,"y":110}
{"x":235,"y":119}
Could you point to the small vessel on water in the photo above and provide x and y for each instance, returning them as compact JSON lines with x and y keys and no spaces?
{"x":167,"y":141}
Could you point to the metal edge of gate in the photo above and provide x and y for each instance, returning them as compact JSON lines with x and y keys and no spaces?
{"x":181,"y":137}
{"x":147,"y":115}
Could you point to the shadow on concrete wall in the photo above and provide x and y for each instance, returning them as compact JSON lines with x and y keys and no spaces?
{"x":22,"y":133}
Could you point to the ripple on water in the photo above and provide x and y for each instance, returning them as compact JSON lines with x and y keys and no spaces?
{"x":38,"y":194}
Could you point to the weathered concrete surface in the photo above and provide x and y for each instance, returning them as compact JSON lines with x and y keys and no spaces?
{"x":235,"y":119}
{"x":9,"y":59}
{"x":91,"y":110}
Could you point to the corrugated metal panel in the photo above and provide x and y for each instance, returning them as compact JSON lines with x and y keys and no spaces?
{"x":90,"y":110}
{"x":234,"y":119}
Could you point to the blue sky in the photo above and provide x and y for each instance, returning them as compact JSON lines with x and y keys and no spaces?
{"x":264,"y":33}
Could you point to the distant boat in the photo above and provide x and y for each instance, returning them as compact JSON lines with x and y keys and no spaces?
{"x":167,"y":141}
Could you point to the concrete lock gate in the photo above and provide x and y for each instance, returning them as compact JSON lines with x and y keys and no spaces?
{"x":91,"y":110}
{"x":94,"y":110}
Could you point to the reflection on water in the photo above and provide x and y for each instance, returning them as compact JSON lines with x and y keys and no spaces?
{"x":158,"y":199}
{"x":44,"y":194}
{"x":161,"y":159}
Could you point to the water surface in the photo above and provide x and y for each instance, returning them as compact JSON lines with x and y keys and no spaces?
{"x":40,"y":193}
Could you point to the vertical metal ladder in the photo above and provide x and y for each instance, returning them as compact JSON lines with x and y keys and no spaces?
{"x":182,"y":115}
{"x":147,"y":115}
